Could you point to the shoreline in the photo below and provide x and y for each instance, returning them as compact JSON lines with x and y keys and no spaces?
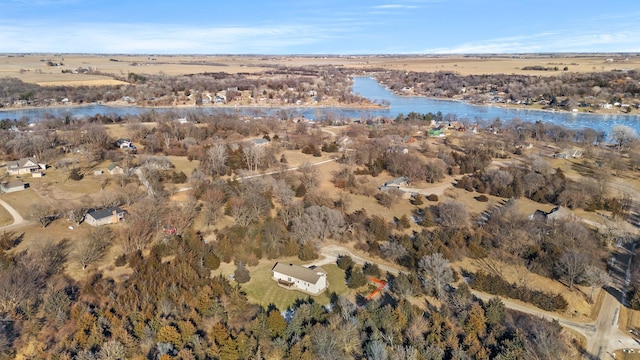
{"x":115,"y":104}
{"x":507,"y":106}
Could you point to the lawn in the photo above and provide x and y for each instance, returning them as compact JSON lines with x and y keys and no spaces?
{"x":261,"y":289}
{"x":23,"y":201}
{"x":5,"y":217}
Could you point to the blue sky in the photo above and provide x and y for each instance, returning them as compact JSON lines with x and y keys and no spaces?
{"x":319,"y":26}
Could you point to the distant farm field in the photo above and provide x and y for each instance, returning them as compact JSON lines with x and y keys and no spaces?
{"x":46,"y":69}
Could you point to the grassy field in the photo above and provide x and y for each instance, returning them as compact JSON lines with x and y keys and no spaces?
{"x":23,"y":201}
{"x":261,"y":289}
{"x":5,"y":217}
{"x":34,"y":68}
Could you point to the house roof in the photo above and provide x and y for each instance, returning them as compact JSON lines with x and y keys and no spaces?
{"x":112,"y":166}
{"x":397,"y":181}
{"x":300,"y":272}
{"x":259,"y":141}
{"x":104,"y":213}
{"x":558,"y":213}
{"x":13,"y":184}
{"x":22,"y":163}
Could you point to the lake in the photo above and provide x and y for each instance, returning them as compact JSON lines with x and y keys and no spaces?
{"x":371,"y":89}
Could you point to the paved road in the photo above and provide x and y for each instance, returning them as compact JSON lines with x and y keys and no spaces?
{"x":437,"y":190}
{"x":603,"y":335}
{"x":18,"y":220}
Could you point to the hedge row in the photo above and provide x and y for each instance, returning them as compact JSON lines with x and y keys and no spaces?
{"x":496,"y":285}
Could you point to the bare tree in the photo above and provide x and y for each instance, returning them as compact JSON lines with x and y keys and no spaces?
{"x":253,"y":156}
{"x":142,"y":224}
{"x":249,"y":208}
{"x":376,"y":350}
{"x":571,"y":267}
{"x":112,"y":350}
{"x":308,"y":175}
{"x":326,"y":222}
{"x":596,"y":278}
{"x":288,"y":213}
{"x":623,"y":135}
{"x":436,"y":273}
{"x":217,"y":156}
{"x":76,"y":213}
{"x":213,"y":201}
{"x":388,"y":198}
{"x":43,"y":213}
{"x":394,"y":251}
{"x":95,"y":247}
{"x":183,"y":214}
{"x":281,"y":191}
{"x":500,"y":178}
{"x":274,"y":235}
{"x":131,"y":192}
{"x":453,"y":215}
{"x":434,"y":170}
{"x":532,"y":182}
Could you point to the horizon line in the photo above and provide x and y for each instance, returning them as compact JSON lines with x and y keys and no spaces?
{"x":332,"y":54}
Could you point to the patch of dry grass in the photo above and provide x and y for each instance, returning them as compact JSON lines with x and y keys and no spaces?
{"x":5,"y":217}
{"x":576,"y":298}
{"x":183,"y":164}
{"x":23,"y":201}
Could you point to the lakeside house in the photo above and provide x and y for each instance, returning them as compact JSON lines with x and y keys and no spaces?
{"x":106,"y":216}
{"x":310,"y":280}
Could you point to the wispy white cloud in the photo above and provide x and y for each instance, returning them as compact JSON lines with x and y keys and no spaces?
{"x":43,"y":2}
{"x":561,"y":41}
{"x":154,"y":38}
{"x":395,"y":6}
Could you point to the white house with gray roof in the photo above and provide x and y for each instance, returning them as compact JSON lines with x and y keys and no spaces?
{"x":310,"y":280}
{"x":106,"y":216}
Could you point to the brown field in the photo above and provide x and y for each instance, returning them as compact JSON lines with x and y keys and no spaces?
{"x":34,"y":68}
{"x":5,"y":217}
{"x":23,"y":201}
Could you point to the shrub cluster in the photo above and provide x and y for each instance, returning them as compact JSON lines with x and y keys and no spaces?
{"x":496,"y":285}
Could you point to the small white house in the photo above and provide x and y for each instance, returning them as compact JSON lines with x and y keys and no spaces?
{"x":397,"y":183}
{"x":310,"y":280}
{"x":106,"y":216}
{"x":13,"y":186}
{"x":260,"y":142}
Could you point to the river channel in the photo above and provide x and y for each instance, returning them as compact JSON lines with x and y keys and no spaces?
{"x":371,"y":89}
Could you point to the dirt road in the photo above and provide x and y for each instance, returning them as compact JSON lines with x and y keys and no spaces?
{"x":18,"y":220}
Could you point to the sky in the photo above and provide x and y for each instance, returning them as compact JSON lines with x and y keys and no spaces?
{"x":344,"y":27}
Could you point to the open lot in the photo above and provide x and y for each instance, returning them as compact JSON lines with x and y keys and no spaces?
{"x":35,"y":68}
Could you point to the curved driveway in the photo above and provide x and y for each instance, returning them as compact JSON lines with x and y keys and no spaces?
{"x":18,"y":220}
